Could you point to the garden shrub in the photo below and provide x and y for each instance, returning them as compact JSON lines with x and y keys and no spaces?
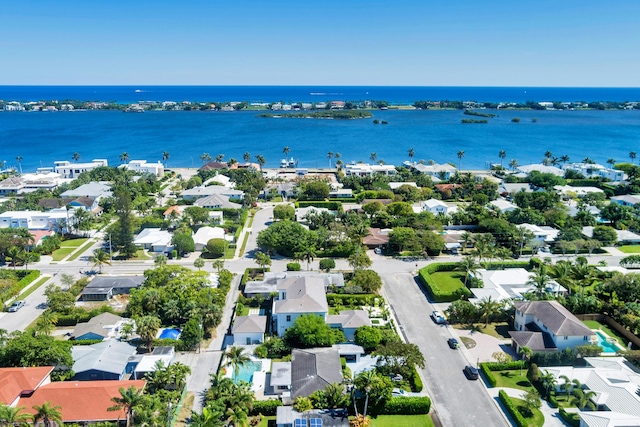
{"x":406,"y":406}
{"x":438,"y":294}
{"x":494,"y":366}
{"x":265,"y":407}
{"x":553,"y":401}
{"x":293,"y":266}
{"x":332,"y":206}
{"x":488,"y":374}
{"x":352,"y":299}
{"x":512,"y":409}
{"x":416,"y":381}
{"x":571,"y":419}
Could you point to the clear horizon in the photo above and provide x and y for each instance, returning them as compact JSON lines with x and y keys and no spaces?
{"x":250,"y":43}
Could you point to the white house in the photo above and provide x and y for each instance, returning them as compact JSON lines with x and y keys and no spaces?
{"x":298,"y":296}
{"x":71,"y":170}
{"x":626,"y":200}
{"x":301,"y":213}
{"x":503,"y":205}
{"x":436,"y":206}
{"x":204,"y":234}
{"x":365,"y":169}
{"x":141,"y":166}
{"x":35,"y":220}
{"x":594,"y":170}
{"x":435,"y":170}
{"x":567,"y":190}
{"x":249,"y":330}
{"x":216,"y":201}
{"x":510,"y":283}
{"x":541,"y":233}
{"x":199,"y":192}
{"x":154,"y":240}
{"x":547,"y":326}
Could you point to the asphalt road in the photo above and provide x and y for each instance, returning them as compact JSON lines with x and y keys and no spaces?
{"x":456,"y":400}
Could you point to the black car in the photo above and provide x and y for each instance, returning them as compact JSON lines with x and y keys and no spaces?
{"x":471,"y":372}
{"x":453,"y":343}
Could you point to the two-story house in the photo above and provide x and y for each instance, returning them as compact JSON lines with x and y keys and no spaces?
{"x":547,"y":326}
{"x":298,"y":296}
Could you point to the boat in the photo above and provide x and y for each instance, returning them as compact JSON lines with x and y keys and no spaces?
{"x":291,"y":163}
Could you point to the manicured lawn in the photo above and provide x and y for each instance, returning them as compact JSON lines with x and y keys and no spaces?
{"x":537,"y":419}
{"x":594,"y":324}
{"x":265,"y":422}
{"x":630,"y":249}
{"x":35,"y":286}
{"x":402,"y":421}
{"x":448,"y":281}
{"x":60,"y":254}
{"x":80,"y":251}
{"x":513,"y":379}
{"x":498,"y":330}
{"x":73,"y":243}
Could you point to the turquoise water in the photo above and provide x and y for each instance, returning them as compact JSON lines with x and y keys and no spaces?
{"x":245,"y":372}
{"x":170,"y":333}
{"x":607,"y":347}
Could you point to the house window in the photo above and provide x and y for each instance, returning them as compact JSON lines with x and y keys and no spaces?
{"x":586,"y":337}
{"x":566,"y":338}
{"x":288,"y":318}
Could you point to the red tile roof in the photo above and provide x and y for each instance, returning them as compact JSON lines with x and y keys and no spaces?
{"x":15,"y":381}
{"x":81,"y":400}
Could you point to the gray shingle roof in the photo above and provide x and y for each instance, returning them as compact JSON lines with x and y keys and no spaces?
{"x":116,"y":282}
{"x":303,"y":295}
{"x":350,"y":319}
{"x":534,"y":340}
{"x":314,"y":369}
{"x":96,"y":325}
{"x":249,"y":324}
{"x":555,"y":317}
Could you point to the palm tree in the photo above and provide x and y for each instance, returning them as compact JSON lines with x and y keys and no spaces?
{"x":330,"y":156}
{"x":99,"y":258}
{"x":489,"y":307}
{"x":366,"y":380}
{"x":632,"y":156}
{"x":19,"y":160}
{"x":76,"y":156}
{"x":46,"y":323}
{"x":165,"y":157}
{"x":336,"y":397}
{"x":526,"y":353}
{"x":13,"y":416}
{"x":247,"y":157}
{"x":564,"y":159}
{"x":502,"y":154}
{"x":160,"y":260}
{"x":567,"y":386}
{"x":611,"y":162}
{"x":286,"y":150}
{"x":548,"y":155}
{"x":128,"y":400}
{"x":548,"y":380}
{"x":47,"y":414}
{"x":582,"y":399}
{"x":205,"y":158}
{"x":261,"y":161}
{"x":236,"y":357}
{"x":210,"y":417}
{"x":337,"y":157}
{"x":469,"y":266}
{"x":539,"y":280}
{"x":124,"y":157}
{"x":460,"y":156}
{"x":466,"y":239}
{"x":220,"y":158}
{"x":237,"y":417}
{"x":513,"y":164}
{"x":147,"y":327}
{"x":373,"y":157}
{"x":308,"y":254}
{"x":411,"y":153}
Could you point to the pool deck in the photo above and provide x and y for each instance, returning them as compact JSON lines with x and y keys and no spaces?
{"x":610,"y":340}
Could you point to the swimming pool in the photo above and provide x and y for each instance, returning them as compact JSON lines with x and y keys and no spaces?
{"x":170,"y":333}
{"x":245,"y":372}
{"x":607,"y":347}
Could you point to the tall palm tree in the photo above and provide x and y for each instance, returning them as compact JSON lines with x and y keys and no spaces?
{"x":564,"y":159}
{"x":366,"y":381}
{"x":165,"y":157}
{"x":128,"y":400}
{"x":460,"y":155}
{"x":611,"y":162}
{"x":237,"y":417}
{"x":99,"y":258}
{"x":76,"y":156}
{"x":469,"y":266}
{"x":46,"y":323}
{"x":210,"y":417}
{"x":526,"y":353}
{"x":488,"y":308}
{"x":411,"y":153}
{"x":330,"y":156}
{"x":502,"y":154}
{"x":513,"y":164}
{"x":539,"y":280}
{"x":582,"y":399}
{"x":205,"y":158}
{"x":124,"y":157}
{"x":567,"y":386}
{"x":548,"y":155}
{"x":466,"y":239}
{"x":236,"y":357}
{"x":247,"y":157}
{"x":147,"y":327}
{"x":220,"y":158}
{"x":48,"y":414}
{"x":373,"y":156}
{"x":19,"y":160}
{"x":337,"y":156}
{"x":261,"y":161}
{"x":286,"y":150}
{"x":548,"y":380}
{"x":308,"y":255}
{"x":13,"y":416}
{"x":632,"y":156}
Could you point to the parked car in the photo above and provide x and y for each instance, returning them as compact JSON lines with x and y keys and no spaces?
{"x":471,"y":372}
{"x":17,"y":305}
{"x":453,"y":343}
{"x":437,"y":317}
{"x":398,"y":392}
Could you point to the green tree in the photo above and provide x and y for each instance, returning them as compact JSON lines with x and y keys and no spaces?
{"x":286,"y":238}
{"x":160,"y":260}
{"x":604,"y":234}
{"x":165,"y":158}
{"x":75,"y":157}
{"x":525,"y":353}
{"x":13,"y":416}
{"x":359,"y":260}
{"x":503,"y":155}
{"x":218,"y":265}
{"x":198,"y":263}
{"x":369,"y":337}
{"x":469,"y":266}
{"x":583,"y":399}
{"x":263,"y":260}
{"x":183,"y":243}
{"x":327,"y":264}
{"x":124,"y":157}
{"x":47,"y":413}
{"x":147,"y":327}
{"x":539,"y":280}
{"x":128,"y":400}
{"x":284,"y":212}
{"x":488,"y":307}
{"x":549,"y":381}
{"x":261,"y":160}
{"x":30,"y":349}
{"x":532,"y":401}
{"x":367,"y":280}
{"x":310,"y":330}
{"x":399,"y":358}
{"x":315,"y":190}
{"x":216,"y":247}
{"x":460,"y":155}
{"x":46,"y":323}
{"x":411,"y":152}
{"x":307,"y":254}
{"x":122,"y":231}
{"x":235,"y":358}
{"x":533,"y":374}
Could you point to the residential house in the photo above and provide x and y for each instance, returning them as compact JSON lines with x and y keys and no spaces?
{"x":351,"y":352}
{"x":172,"y":212}
{"x":547,"y":326}
{"x":55,"y":219}
{"x":248,"y":330}
{"x":436,"y":171}
{"x":395,"y":185}
{"x":341,"y":193}
{"x":436,"y":207}
{"x":539,"y":167}
{"x":626,"y":200}
{"x":286,"y":416}
{"x":623,"y":236}
{"x":154,"y":240}
{"x":314,"y":369}
{"x":503,"y":205}
{"x":541,"y":233}
{"x":100,"y":327}
{"x":214,"y":166}
{"x":301,"y":213}
{"x":216,"y":201}
{"x":204,"y":234}
{"x":11,"y":185}
{"x":365,"y":169}
{"x":103,"y":288}
{"x":509,"y":190}
{"x":199,"y":192}
{"x":510,"y":283}
{"x":106,"y":360}
{"x":567,"y":191}
{"x":594,"y":170}
{"x":22,"y":381}
{"x":149,"y":362}
{"x":298,"y":296}
{"x":72,"y":170}
{"x":141,"y":166}
{"x":95,"y":190}
{"x":280,"y":378}
{"x":269,"y":285}
{"x":81,"y":402}
{"x":348,"y":321}
{"x":377,"y":238}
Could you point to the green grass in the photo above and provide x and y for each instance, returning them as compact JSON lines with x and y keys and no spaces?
{"x":513,"y":379}
{"x":630,"y":249}
{"x":62,"y":253}
{"x":33,"y":287}
{"x":244,"y":244}
{"x":537,"y":419}
{"x":82,"y":250}
{"x":499,"y":330}
{"x":73,"y":243}
{"x":265,"y":421}
{"x":594,"y":324}
{"x":448,"y":281}
{"x":402,"y":421}
{"x":140,"y":255}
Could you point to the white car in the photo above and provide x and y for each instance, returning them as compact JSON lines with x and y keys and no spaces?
{"x":437,"y":317}
{"x":17,"y":305}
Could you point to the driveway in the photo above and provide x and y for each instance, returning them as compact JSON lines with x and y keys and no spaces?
{"x":456,"y":400}
{"x":485,"y":346}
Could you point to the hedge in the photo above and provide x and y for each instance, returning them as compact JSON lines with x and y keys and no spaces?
{"x":512,"y":409}
{"x":571,"y":419}
{"x":488,"y":374}
{"x":73,"y":319}
{"x":332,"y":206}
{"x":353,"y":299}
{"x":86,"y":342}
{"x":293,"y":266}
{"x":553,"y":402}
{"x":416,"y":381}
{"x":265,"y":407}
{"x":494,"y":366}
{"x":406,"y":406}
{"x":27,"y":278}
{"x":437,"y":294}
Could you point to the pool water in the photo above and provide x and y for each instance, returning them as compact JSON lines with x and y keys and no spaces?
{"x":607,"y":347}
{"x":245,"y":372}
{"x":170,"y":333}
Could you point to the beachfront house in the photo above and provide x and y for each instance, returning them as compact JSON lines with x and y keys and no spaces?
{"x":365,"y":169}
{"x":71,"y":170}
{"x":547,"y":326}
{"x":594,"y":170}
{"x":141,"y":166}
{"x":436,"y":171}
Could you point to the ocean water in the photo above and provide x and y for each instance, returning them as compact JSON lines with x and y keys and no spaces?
{"x":42,"y":138}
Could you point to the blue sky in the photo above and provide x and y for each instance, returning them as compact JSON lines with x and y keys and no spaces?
{"x":353,"y":42}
